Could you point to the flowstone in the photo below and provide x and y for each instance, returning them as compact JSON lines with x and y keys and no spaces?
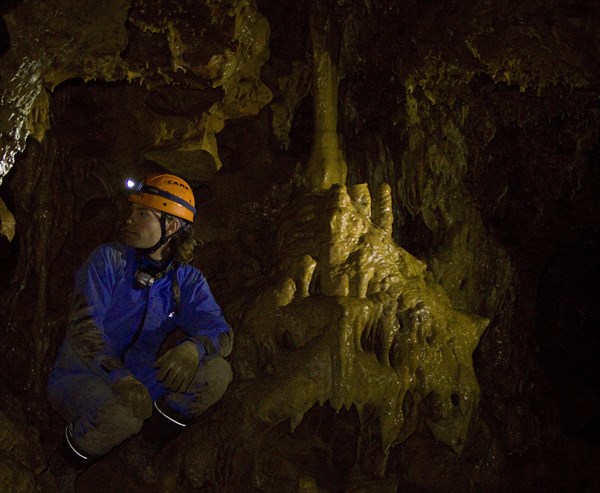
{"x":350,"y":319}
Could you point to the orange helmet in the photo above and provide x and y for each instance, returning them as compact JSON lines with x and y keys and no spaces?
{"x":167,"y":193}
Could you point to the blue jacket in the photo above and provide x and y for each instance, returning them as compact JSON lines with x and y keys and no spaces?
{"x":116,"y":329}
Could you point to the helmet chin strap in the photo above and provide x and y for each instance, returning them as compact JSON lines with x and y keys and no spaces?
{"x":164,"y":238}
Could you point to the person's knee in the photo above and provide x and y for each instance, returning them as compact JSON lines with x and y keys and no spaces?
{"x":208,"y":387}
{"x":112,"y":426}
{"x":218,"y":375}
{"x":128,"y":419}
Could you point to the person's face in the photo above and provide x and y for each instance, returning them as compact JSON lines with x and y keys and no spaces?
{"x":142,"y":227}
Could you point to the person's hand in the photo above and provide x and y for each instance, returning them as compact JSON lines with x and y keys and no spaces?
{"x":132,"y":393}
{"x":177,"y":366}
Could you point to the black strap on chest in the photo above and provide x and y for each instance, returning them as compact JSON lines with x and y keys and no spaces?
{"x":145,"y":279}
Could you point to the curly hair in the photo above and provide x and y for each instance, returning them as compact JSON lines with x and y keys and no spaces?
{"x":183,"y":243}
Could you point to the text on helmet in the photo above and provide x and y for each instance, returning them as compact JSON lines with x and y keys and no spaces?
{"x":173,"y":182}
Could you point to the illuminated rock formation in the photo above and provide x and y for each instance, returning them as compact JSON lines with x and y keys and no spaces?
{"x":326,"y":165}
{"x":352,"y":320}
{"x":187,"y":144}
{"x":7,"y":222}
{"x":88,"y":41}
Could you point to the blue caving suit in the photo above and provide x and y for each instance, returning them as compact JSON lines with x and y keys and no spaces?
{"x":117,"y":328}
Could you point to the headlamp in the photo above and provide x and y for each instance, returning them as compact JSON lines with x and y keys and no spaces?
{"x":134,"y":186}
{"x":144,"y":279}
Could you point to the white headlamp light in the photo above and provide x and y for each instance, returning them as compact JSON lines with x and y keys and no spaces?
{"x":134,"y":186}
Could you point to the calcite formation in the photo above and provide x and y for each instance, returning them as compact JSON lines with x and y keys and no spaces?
{"x":349,"y":319}
{"x":228,"y":67}
{"x":84,"y":41}
{"x":171,"y":47}
{"x":7,"y":222}
{"x":326,"y":165}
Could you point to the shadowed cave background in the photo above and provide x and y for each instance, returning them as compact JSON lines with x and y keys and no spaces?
{"x":483,"y":117}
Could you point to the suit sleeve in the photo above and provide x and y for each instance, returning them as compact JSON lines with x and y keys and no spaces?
{"x":91,"y":298}
{"x":202,"y":319}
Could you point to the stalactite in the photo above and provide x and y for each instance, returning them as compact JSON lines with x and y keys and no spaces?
{"x":326,"y":165}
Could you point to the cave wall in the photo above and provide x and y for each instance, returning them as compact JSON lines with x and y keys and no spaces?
{"x":483,"y":119}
